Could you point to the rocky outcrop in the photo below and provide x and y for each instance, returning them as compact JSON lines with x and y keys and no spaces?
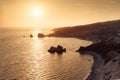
{"x":41,"y":35}
{"x":109,"y":71}
{"x":103,"y":47}
{"x":58,"y":49}
{"x":31,"y":35}
{"x":109,"y":49}
{"x":52,"y":49}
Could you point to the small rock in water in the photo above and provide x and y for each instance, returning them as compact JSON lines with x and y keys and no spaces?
{"x":52,"y":49}
{"x":31,"y":35}
{"x":41,"y":35}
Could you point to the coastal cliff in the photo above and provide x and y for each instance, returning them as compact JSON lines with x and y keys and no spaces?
{"x":107,"y":65}
{"x":110,"y":70}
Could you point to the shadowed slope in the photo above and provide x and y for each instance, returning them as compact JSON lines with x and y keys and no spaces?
{"x":94,"y":31}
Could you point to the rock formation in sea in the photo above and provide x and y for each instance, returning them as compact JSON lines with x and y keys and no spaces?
{"x":31,"y":35}
{"x":41,"y":35}
{"x":58,"y":49}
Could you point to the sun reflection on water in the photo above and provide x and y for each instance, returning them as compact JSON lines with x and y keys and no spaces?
{"x":36,"y":55}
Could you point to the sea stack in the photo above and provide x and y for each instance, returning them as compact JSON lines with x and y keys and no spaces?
{"x":41,"y":35}
{"x":31,"y":35}
{"x":58,"y":49}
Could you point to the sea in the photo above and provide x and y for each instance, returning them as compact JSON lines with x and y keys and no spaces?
{"x":25,"y":58}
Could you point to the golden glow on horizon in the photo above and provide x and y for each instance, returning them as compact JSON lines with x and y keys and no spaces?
{"x":56,"y":13}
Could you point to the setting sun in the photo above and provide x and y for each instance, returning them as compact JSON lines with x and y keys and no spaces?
{"x":37,"y":12}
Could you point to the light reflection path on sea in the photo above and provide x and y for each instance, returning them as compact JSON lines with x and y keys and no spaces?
{"x":28,"y":59}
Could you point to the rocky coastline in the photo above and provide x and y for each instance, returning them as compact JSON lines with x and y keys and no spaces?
{"x":106,"y":55}
{"x":106,"y":44}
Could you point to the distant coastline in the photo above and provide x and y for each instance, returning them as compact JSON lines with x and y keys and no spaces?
{"x":93,"y":32}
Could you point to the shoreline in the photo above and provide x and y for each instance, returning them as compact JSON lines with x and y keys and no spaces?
{"x":98,"y":62}
{"x":106,"y":60}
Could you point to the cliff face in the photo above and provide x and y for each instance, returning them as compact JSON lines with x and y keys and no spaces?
{"x":109,"y":49}
{"x":103,"y":47}
{"x":111,"y":70}
{"x":93,"y":32}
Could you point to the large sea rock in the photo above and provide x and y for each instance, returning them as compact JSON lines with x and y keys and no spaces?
{"x":58,"y":49}
{"x":41,"y":35}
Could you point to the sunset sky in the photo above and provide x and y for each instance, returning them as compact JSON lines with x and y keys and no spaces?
{"x":56,"y":13}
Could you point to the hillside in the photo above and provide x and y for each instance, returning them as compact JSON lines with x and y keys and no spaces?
{"x":96,"y":31}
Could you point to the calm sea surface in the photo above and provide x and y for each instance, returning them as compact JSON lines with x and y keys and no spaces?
{"x":27,"y":58}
